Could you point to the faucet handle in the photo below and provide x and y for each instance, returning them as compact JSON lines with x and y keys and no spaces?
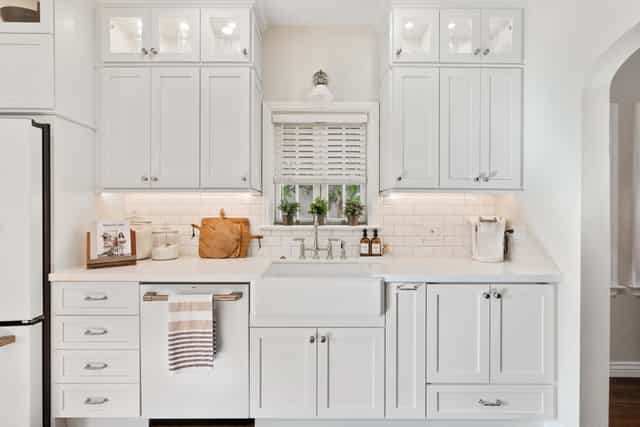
{"x":300,"y":240}
{"x":343,"y":253}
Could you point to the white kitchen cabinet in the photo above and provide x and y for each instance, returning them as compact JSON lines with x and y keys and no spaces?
{"x":406,"y":350}
{"x":125,"y":34}
{"x":175,"y":34}
{"x":458,"y":319}
{"x":522,"y":334}
{"x":26,"y":77}
{"x":460,"y":120}
{"x":149,"y":128}
{"x":30,"y":16}
{"x":415,"y":35}
{"x":415,"y":128}
{"x":125,"y":127}
{"x":175,"y":128}
{"x":351,"y":373}
{"x":256,"y":132}
{"x":481,"y":36}
{"x":226,"y":35}
{"x":283,"y":372}
{"x":226,"y":128}
{"x":481,"y":128}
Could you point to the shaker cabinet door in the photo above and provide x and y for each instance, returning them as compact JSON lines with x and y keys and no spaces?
{"x":226,"y":35}
{"x":461,"y":35}
{"x":175,"y":34}
{"x":226,"y":128}
{"x":502,"y":36}
{"x":415,"y":35}
{"x":124,"y":127}
{"x":125,"y":34}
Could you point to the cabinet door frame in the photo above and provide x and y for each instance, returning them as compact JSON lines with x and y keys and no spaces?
{"x":398,"y":53}
{"x":404,"y":179}
{"x":307,"y":408}
{"x":406,"y":350}
{"x":193,"y":14}
{"x":328,"y":407}
{"x":516,"y":54}
{"x":545,"y":347}
{"x":477,"y":322}
{"x":158,"y":180}
{"x":106,"y":13}
{"x":208,"y":52}
{"x":475,"y":56}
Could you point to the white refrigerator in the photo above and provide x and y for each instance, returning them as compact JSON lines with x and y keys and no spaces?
{"x":25,"y":151}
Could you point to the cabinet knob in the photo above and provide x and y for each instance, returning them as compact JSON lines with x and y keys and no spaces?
{"x":477,"y":51}
{"x":323,"y":339}
{"x":497,"y":295}
{"x":245,"y":52}
{"x":144,"y":51}
{"x":476,"y":179}
{"x":154,"y":179}
{"x":244,"y":179}
{"x":485,"y":179}
{"x":399,"y":52}
{"x":399,"y":179}
{"x":154,"y":51}
{"x":486,"y":52}
{"x":144,"y":178}
{"x":312,"y":339}
{"x":486,"y":295}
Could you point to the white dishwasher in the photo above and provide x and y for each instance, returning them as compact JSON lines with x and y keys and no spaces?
{"x":221,"y":393}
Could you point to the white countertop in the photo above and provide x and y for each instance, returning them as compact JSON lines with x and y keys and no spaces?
{"x":530,"y":267}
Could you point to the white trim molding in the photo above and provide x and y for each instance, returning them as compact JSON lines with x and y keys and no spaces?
{"x":624,"y":369}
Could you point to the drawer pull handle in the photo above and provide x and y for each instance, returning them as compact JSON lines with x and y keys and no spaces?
{"x":96,"y":400}
{"x":92,"y":298}
{"x":96,"y":332}
{"x":408,"y":287}
{"x":155,"y":297}
{"x":91,"y":366}
{"x":496,"y":404}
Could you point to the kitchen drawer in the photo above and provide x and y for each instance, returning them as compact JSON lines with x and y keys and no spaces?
{"x":111,"y":366}
{"x":96,"y":299}
{"x":97,"y":401}
{"x":88,"y":333}
{"x":463,"y":402}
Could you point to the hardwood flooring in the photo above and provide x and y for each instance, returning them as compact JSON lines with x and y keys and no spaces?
{"x":624,"y":402}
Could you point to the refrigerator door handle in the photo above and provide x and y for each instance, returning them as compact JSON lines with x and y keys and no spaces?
{"x":8,"y":340}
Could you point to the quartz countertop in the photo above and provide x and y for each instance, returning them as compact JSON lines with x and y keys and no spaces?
{"x":526,"y":266}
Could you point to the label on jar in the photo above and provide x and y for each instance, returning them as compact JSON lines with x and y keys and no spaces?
{"x":376,"y":249}
{"x":364,"y":249}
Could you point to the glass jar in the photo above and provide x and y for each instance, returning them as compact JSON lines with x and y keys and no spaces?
{"x":165,"y":244}
{"x":144,"y":239}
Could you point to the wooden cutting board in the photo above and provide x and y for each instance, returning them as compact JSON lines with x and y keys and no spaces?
{"x":218,"y":239}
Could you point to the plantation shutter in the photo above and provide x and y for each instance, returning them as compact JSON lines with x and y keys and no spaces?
{"x":308,"y":153}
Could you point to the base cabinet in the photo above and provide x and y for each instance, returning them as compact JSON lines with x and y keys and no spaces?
{"x":325,"y":373}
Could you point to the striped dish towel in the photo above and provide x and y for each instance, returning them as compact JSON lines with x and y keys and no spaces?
{"x":192,"y":332}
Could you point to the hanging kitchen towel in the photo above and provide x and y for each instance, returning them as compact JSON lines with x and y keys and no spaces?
{"x":192,"y":332}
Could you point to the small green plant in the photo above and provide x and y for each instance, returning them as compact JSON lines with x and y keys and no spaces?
{"x":319,"y":207}
{"x":289,"y":210}
{"x":353,"y":208}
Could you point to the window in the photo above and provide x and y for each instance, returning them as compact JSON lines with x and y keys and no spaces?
{"x":320,"y":160}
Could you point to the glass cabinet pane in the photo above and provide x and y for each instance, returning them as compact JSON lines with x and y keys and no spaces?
{"x":20,"y":11}
{"x":460,"y":35}
{"x":126,"y":34}
{"x":500,"y":34}
{"x":176,"y":35}
{"x":227,"y":35}
{"x":416,"y":35}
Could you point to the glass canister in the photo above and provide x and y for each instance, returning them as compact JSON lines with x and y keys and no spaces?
{"x":165,"y":244}
{"x":144,"y":236}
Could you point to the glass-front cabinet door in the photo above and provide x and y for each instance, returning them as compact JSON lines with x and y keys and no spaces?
{"x":175,"y":34}
{"x":226,"y":35}
{"x":415,"y":35}
{"x":26,"y":16}
{"x":125,"y":34}
{"x":461,"y":35}
{"x":502,"y":33}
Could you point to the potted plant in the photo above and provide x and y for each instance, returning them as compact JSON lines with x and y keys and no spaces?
{"x":289,"y":210}
{"x":353,"y":209}
{"x":319,"y":209}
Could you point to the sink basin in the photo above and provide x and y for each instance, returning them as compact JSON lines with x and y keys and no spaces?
{"x":318,"y":270}
{"x":317,"y":294}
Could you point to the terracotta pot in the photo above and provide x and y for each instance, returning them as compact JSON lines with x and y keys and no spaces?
{"x":288,"y":219}
{"x":322,"y":220}
{"x":354,"y":220}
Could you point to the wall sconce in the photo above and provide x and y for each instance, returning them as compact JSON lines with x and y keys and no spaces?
{"x":320,"y":91}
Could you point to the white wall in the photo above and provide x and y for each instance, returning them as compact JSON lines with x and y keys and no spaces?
{"x":347,"y":54}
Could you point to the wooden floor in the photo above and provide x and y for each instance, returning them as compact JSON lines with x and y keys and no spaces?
{"x":624,"y":402}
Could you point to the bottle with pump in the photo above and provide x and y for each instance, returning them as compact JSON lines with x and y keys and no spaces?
{"x":376,"y":244}
{"x":365,"y":244}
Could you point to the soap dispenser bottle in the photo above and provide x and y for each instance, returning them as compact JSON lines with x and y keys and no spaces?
{"x":365,"y":244}
{"x":376,"y":244}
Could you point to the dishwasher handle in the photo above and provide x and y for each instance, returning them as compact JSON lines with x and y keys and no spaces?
{"x":155,"y":297}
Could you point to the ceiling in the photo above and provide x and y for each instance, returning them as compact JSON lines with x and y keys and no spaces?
{"x":322,"y":12}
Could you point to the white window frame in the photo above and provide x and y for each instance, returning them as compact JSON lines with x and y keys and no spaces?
{"x":320,"y":113}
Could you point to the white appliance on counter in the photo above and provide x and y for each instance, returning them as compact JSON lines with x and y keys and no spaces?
{"x":221,"y":393}
{"x":25,"y":264}
{"x":488,"y":238}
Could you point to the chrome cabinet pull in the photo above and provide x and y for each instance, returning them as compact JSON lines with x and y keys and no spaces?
{"x":399,"y":179}
{"x":155,"y":297}
{"x":96,"y":400}
{"x":486,"y":52}
{"x":497,"y":295}
{"x":496,"y":404}
{"x":244,"y":179}
{"x":408,"y":287}
{"x":486,"y":295}
{"x":154,"y":179}
{"x":476,"y":179}
{"x":144,"y":51}
{"x":245,"y":52}
{"x":399,"y":52}
{"x":312,"y":339}
{"x":477,"y":51}
{"x":154,"y":51}
{"x":96,"y":366}
{"x":323,"y":339}
{"x":96,"y":332}
{"x":144,"y":178}
{"x":91,"y":298}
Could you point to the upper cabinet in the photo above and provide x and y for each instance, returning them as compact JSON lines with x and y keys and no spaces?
{"x":415,"y":35}
{"x":175,"y":34}
{"x":125,"y":34}
{"x":226,"y":35}
{"x":26,"y":16}
{"x":481,"y":36}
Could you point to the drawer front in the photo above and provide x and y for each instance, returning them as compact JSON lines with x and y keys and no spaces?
{"x":490,"y":402}
{"x":97,"y":401}
{"x":98,"y":299}
{"x":88,"y":333}
{"x":114,"y":367}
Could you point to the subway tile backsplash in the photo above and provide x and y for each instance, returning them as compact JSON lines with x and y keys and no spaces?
{"x":413,"y":225}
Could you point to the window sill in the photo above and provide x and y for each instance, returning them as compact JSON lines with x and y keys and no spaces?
{"x":329,"y":227}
